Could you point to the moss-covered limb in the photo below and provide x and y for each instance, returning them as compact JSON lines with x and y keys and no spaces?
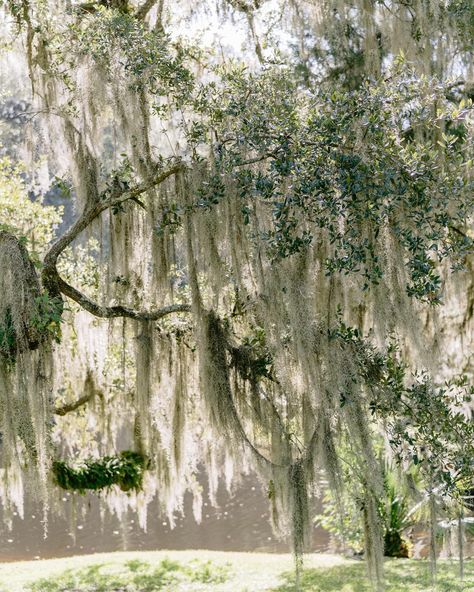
{"x":109,"y":312}
{"x":20,"y":295}
{"x":69,"y":407}
{"x":125,"y":470}
{"x":56,"y":286}
{"x":91,"y":391}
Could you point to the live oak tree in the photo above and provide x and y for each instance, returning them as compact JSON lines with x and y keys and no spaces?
{"x":257,"y":267}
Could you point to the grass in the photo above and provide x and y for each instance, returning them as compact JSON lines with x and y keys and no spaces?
{"x":402,"y":576}
{"x":208,"y":571}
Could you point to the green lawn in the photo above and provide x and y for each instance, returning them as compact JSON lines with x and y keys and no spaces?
{"x":207,"y":571}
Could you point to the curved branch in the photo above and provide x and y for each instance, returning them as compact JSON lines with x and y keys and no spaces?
{"x":110,"y":312}
{"x":56,"y":286}
{"x":105,"y":202}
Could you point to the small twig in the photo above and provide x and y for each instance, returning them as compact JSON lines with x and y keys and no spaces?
{"x":257,"y":159}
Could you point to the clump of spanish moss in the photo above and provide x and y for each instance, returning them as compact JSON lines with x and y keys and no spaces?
{"x":214,"y":373}
{"x":300,"y":517}
{"x":7,"y":337}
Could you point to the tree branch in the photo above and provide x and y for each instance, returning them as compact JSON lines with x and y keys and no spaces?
{"x":105,"y":202}
{"x":69,"y":407}
{"x":144,"y":9}
{"x":257,"y":159}
{"x":56,"y":286}
{"x":110,"y":312}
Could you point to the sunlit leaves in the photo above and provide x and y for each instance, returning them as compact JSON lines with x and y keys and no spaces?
{"x":22,"y":216}
{"x":426,"y":423}
{"x":351,"y":165}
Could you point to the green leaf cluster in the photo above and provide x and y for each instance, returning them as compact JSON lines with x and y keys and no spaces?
{"x":426,"y":423}
{"x":389,"y":158}
{"x":125,"y":470}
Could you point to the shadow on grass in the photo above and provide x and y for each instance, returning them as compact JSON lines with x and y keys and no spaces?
{"x":401,"y":576}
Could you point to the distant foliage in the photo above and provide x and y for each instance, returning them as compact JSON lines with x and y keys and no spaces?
{"x":26,"y":218}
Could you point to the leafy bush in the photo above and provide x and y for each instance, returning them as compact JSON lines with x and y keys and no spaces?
{"x":394,"y":513}
{"x":134,"y":576}
{"x":207,"y":572}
